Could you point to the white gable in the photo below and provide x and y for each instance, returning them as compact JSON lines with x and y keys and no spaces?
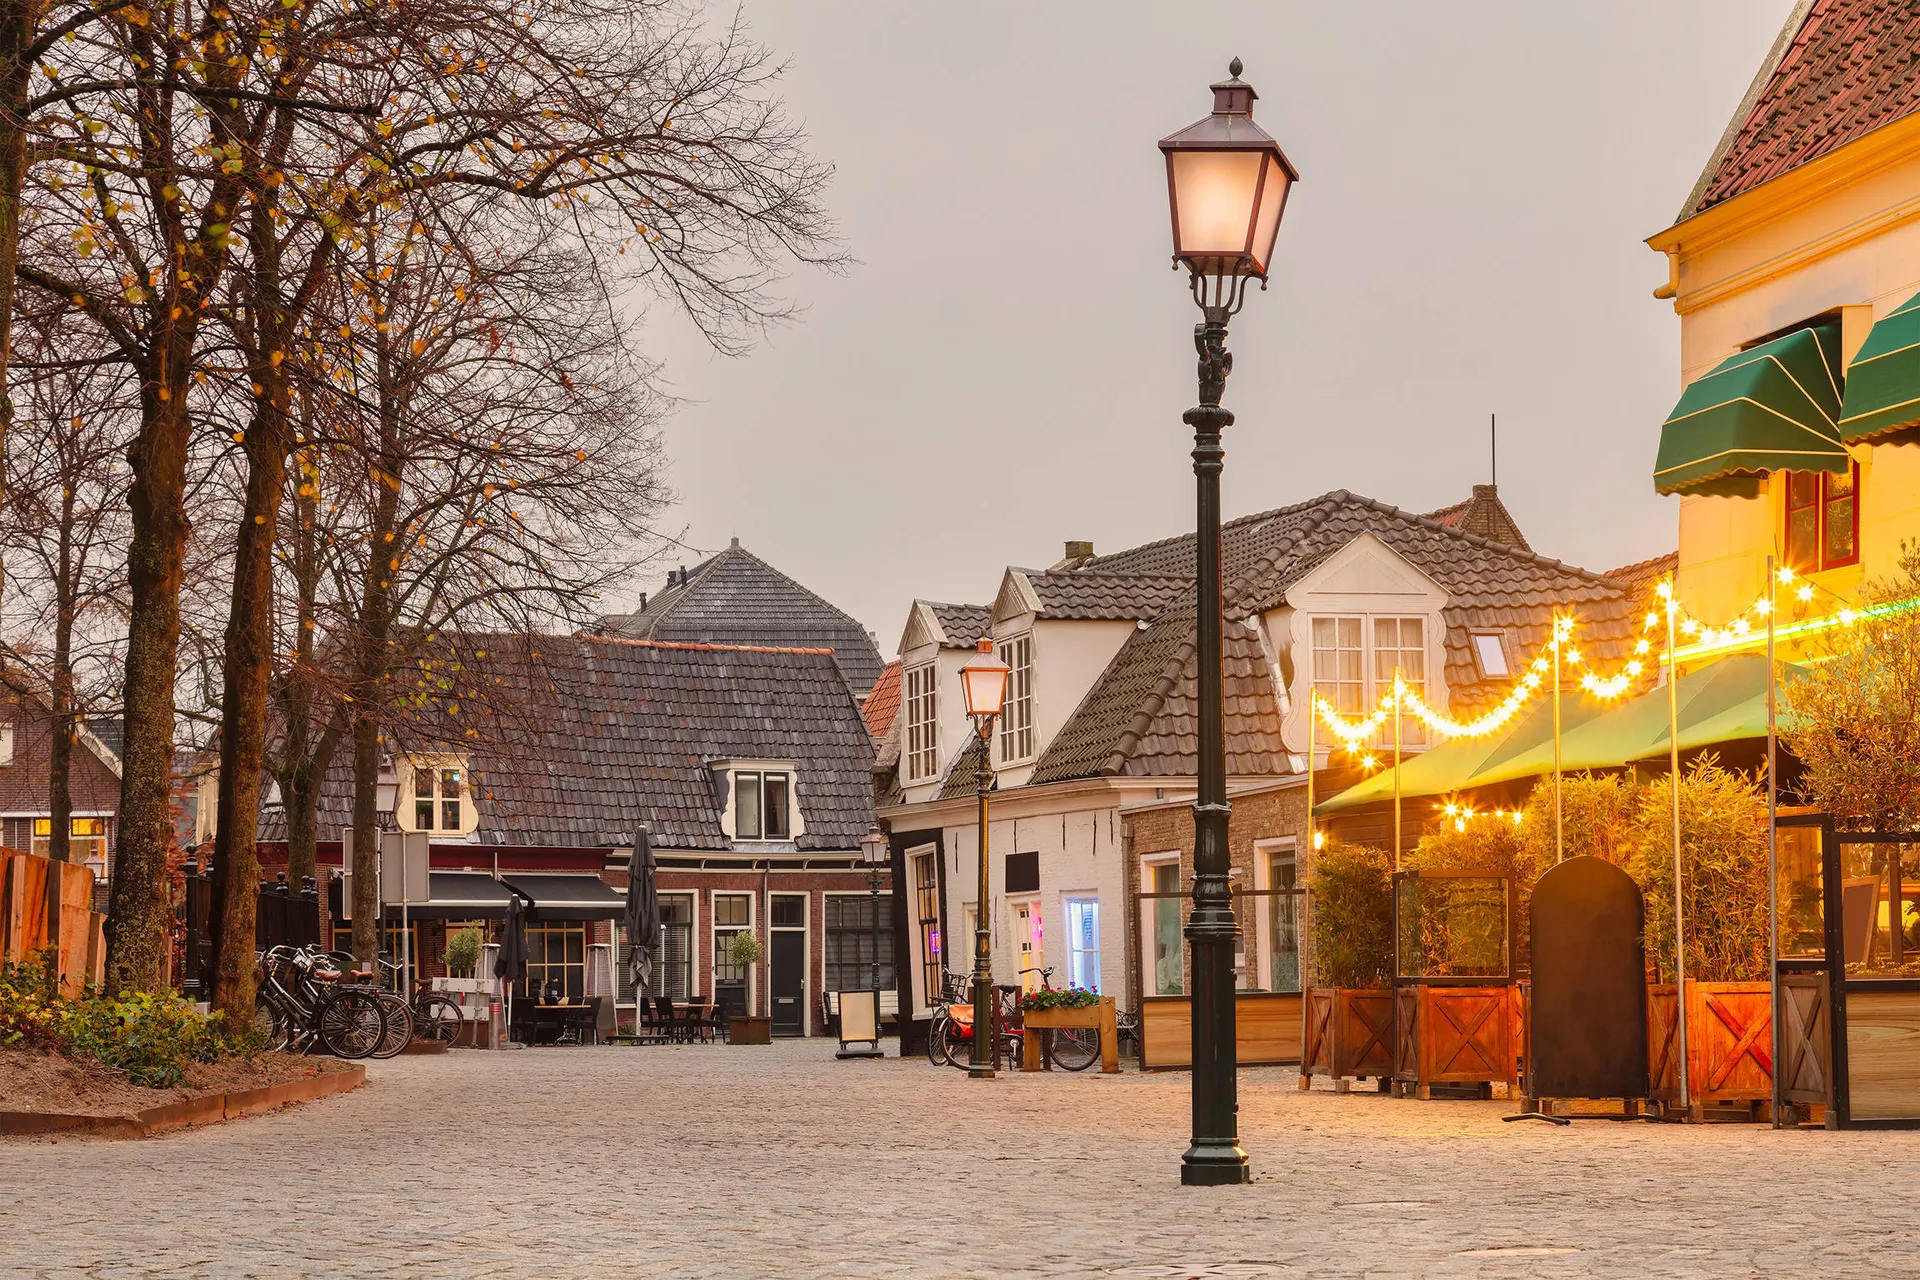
{"x":1366,"y":576}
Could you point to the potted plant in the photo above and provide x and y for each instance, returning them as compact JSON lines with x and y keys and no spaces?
{"x":1348,"y":1009}
{"x":463,"y":952}
{"x":743,"y":952}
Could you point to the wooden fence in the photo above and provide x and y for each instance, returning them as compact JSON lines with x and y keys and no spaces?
{"x":24,"y":902}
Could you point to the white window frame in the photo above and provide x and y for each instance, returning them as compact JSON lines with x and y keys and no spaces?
{"x":692,"y":897}
{"x":1499,"y":639}
{"x":1015,"y":740}
{"x":1149,"y":978}
{"x":1067,"y":902}
{"x":1413,"y":731}
{"x":406,"y":810}
{"x":1263,"y":851}
{"x":760,"y":777}
{"x":920,"y":747}
{"x":925,"y":857}
{"x":1317,"y":679}
{"x":713,"y":940}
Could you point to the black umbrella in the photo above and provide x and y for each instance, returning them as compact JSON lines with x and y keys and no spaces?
{"x":643,"y":913}
{"x":511,"y":962}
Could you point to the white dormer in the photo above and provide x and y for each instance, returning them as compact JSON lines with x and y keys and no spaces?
{"x":436,"y":796}
{"x":757,"y":801}
{"x":1347,"y":626}
{"x":1052,"y":663}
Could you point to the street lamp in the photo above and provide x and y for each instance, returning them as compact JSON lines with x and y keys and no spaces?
{"x":984,"y":681}
{"x":1227,"y":184}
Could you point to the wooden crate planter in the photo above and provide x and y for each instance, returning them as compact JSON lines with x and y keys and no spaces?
{"x":1729,"y":1042}
{"x":1806,"y":1040}
{"x":1266,"y":1030}
{"x":749,"y":1029}
{"x":1096,"y":1017}
{"x":23,"y":917}
{"x":1454,"y":1035}
{"x":1346,"y":1033}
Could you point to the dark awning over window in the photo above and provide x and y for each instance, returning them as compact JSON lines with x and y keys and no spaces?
{"x":459,"y":895}
{"x":568,"y":897}
{"x":1774,"y":407}
{"x":1883,"y":382}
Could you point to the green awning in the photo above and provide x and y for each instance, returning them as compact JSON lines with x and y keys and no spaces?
{"x":1883,"y":382}
{"x":1774,"y":407}
{"x":1460,"y":763}
{"x":1725,"y":701}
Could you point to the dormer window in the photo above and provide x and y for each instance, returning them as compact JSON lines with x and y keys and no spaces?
{"x":441,"y":801}
{"x":921,"y":749}
{"x":762,"y":805}
{"x":1016,"y":717}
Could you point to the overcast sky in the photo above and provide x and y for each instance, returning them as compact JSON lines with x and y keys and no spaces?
{"x":1006,"y":365}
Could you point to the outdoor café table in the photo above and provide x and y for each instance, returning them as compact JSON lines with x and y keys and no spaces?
{"x":576,"y":1016}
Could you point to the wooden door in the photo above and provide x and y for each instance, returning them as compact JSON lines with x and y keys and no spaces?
{"x":787,"y":981}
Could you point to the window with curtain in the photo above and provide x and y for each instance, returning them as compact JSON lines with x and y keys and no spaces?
{"x":1283,"y":922}
{"x":1822,"y":519}
{"x":1400,"y":644}
{"x":1083,"y":943}
{"x":926,"y":900}
{"x":921,"y":748}
{"x":1339,"y":671}
{"x":1166,"y":972}
{"x":673,"y":963}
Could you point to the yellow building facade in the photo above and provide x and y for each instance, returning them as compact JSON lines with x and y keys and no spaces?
{"x":1832,"y":239}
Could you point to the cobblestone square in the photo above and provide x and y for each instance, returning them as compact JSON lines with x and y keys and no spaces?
{"x":780,"y":1161}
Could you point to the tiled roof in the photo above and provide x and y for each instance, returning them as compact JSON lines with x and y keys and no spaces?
{"x":1135,"y":719}
{"x":883,"y":701}
{"x":963,"y":772}
{"x":609,"y":734}
{"x":963,"y":623}
{"x":1092,"y":594}
{"x":1640,"y":576}
{"x":735,"y":597}
{"x":1840,"y":70}
{"x":1485,"y":515}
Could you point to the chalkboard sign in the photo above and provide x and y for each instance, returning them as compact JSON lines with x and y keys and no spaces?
{"x":1588,"y":1025}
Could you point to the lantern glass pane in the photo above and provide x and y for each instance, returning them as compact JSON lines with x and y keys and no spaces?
{"x":1213,"y":200}
{"x":986,"y":689}
{"x":1273,"y":197}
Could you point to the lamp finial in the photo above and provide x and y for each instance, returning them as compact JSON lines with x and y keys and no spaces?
{"x":1234,"y":68}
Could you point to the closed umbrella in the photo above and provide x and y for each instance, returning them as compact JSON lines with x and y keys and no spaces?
{"x":643,"y":913}
{"x":510,"y":964}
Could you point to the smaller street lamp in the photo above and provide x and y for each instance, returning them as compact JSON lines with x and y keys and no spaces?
{"x":855,"y":1020}
{"x":984,"y":682}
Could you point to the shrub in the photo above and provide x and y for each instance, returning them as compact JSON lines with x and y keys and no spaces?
{"x":1070,"y":998}
{"x":1459,"y":927}
{"x":152,"y":1038}
{"x":1596,"y":818}
{"x":1352,"y":916}
{"x":463,"y":951}
{"x":1723,"y":834}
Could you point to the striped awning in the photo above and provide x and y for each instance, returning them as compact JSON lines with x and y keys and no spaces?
{"x":1774,"y":407}
{"x":1883,"y":382}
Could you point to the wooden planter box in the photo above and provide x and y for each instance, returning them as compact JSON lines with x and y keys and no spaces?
{"x":747,"y":1029}
{"x":1097,"y":1017}
{"x":1266,"y":1030}
{"x":1346,"y":1033}
{"x":1729,"y":1041}
{"x":1454,"y":1035}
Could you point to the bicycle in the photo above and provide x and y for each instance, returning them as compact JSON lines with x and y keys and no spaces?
{"x":301,"y":1005}
{"x":436,"y":1015}
{"x":950,"y":1040}
{"x":1068,"y":1048}
{"x":398,"y":1031}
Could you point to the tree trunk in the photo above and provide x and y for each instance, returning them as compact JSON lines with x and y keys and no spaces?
{"x":139,"y":911}
{"x":60,"y":748}
{"x":366,"y":834}
{"x":243,"y":715}
{"x":16,"y":36}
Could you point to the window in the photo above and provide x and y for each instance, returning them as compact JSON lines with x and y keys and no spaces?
{"x":851,"y":942}
{"x":926,"y":910}
{"x":760,"y":806}
{"x":423,"y":799}
{"x":732,"y":913}
{"x":1490,"y":651}
{"x":438,"y":798}
{"x":1283,"y":922}
{"x":672,"y":963}
{"x":1823,"y":519}
{"x":1338,"y":674}
{"x":1016,"y":718}
{"x":1164,"y":945}
{"x":1083,"y":943}
{"x":449,"y":799}
{"x":557,"y":953}
{"x":922,"y":745}
{"x":86,"y":840}
{"x":1400,"y":645}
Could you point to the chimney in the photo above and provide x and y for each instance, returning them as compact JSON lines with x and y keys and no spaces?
{"x":1079,"y":550}
{"x":1481,"y":491}
{"x":643,"y":603}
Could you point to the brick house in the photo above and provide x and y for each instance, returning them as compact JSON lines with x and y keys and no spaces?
{"x":750,"y":767}
{"x":26,"y":753}
{"x":1095,"y":757}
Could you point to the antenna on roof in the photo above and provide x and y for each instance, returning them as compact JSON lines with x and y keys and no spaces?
{"x":1493,"y":437}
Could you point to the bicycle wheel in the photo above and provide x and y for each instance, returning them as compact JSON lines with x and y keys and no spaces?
{"x":437,"y":1017}
{"x":945,"y":1047}
{"x":269,"y":1022}
{"x":350,"y":1024}
{"x":398,"y":1033}
{"x":1073,"y":1048}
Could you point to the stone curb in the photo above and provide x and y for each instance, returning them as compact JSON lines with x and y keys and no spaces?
{"x":208,"y":1109}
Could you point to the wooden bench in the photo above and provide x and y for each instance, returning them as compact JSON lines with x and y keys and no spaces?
{"x":889,"y":1008}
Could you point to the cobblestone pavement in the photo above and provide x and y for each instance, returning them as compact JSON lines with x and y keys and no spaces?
{"x":780,"y":1161}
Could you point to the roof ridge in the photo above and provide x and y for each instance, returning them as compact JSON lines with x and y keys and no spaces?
{"x":593,"y":637}
{"x":1269,"y":514}
{"x":1474,"y":539}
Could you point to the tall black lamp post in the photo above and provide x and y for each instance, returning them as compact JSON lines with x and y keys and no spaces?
{"x":984,"y":681}
{"x":1227,"y":183}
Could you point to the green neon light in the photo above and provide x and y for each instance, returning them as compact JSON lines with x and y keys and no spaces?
{"x":1808,"y":627}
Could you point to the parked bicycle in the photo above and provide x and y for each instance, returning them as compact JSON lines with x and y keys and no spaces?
{"x":436,"y":1015}
{"x":1068,"y":1048}
{"x":950,"y":1039}
{"x":303,"y":1005}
